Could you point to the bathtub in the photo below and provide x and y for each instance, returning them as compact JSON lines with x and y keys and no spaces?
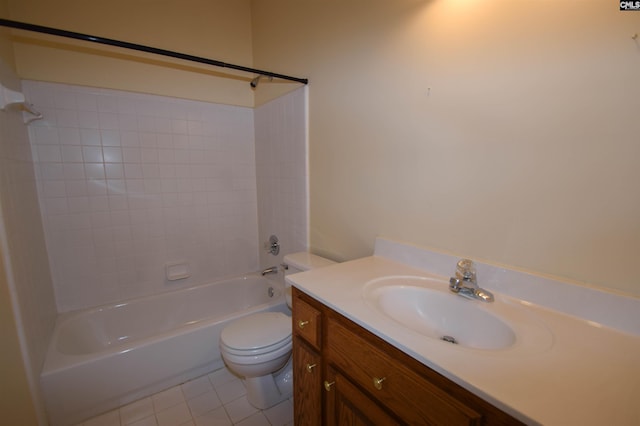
{"x":104,"y":357}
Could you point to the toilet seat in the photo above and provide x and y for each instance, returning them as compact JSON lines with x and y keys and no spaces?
{"x":256,"y":360}
{"x":257,"y":334}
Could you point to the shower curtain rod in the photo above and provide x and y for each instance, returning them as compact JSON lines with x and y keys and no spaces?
{"x":142,"y":48}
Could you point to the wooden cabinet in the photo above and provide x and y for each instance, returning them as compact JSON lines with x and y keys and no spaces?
{"x":307,"y":377}
{"x":345,"y":375}
{"x":347,"y":405}
{"x":307,"y":364}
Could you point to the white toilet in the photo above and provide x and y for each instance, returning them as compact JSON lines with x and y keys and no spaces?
{"x":258,"y":347}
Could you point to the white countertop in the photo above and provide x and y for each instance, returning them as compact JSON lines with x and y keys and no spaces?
{"x":588,"y":374}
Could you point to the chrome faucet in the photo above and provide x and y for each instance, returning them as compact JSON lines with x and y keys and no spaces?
{"x":465,"y":283}
{"x":272,"y":270}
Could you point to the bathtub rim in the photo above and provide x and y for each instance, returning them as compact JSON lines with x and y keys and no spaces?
{"x":56,"y":361}
{"x":175,"y":366}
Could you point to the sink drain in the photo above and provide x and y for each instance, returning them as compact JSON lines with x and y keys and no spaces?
{"x":449,"y":339}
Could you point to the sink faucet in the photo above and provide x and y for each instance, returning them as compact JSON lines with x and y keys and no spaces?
{"x":465,"y":283}
{"x":272,"y":270}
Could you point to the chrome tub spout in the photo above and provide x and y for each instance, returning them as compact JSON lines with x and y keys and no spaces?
{"x":271,"y":270}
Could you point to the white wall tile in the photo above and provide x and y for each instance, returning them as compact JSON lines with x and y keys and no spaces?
{"x":127,"y":185}
{"x":71,"y":153}
{"x":281,"y":158}
{"x":88,"y":119}
{"x":92,"y":154}
{"x":111,"y":137}
{"x":70,"y":136}
{"x":94,"y":170}
{"x":48,"y":154}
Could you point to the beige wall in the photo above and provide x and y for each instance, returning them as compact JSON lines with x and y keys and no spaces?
{"x":219,"y":30}
{"x":489,"y":128}
{"x":16,"y":405}
{"x":500,"y":130}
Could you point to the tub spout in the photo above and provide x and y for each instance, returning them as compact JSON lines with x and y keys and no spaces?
{"x":272,"y":270}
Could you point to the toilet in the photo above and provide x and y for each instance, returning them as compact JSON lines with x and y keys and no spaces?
{"x":258,"y":347}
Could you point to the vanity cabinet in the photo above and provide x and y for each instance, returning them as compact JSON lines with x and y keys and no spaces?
{"x":345,"y":375}
{"x":307,"y":379}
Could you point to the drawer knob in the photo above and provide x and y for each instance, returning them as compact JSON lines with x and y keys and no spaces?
{"x":302,"y":324}
{"x":310,"y":367}
{"x":327,"y":385}
{"x":377,"y":383}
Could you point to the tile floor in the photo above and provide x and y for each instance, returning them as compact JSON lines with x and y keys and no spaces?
{"x":217,"y":399}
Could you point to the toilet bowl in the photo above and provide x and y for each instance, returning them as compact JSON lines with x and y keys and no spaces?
{"x":258,"y":346}
{"x":255,"y":347}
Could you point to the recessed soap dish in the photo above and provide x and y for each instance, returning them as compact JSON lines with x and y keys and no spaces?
{"x":177,"y":270}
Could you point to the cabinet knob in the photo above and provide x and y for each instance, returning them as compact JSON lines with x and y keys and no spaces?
{"x":377,"y":383}
{"x":310,"y":367}
{"x":302,"y":324}
{"x":327,"y":385}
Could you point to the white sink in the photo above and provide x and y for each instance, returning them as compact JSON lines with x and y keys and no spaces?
{"x":426,"y":306}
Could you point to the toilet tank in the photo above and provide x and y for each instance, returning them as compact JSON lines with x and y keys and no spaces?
{"x":300,"y":262}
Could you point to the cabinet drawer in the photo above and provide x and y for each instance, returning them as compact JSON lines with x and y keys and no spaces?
{"x":392,"y":383}
{"x":306,"y":321}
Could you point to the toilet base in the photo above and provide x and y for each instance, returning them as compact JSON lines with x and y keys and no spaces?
{"x":266,"y":391}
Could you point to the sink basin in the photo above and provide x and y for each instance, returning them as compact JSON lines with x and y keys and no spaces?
{"x":426,"y":306}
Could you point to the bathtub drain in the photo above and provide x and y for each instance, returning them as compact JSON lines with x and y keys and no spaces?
{"x":270,"y":292}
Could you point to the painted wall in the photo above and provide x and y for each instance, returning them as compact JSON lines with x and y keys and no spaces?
{"x":219,"y":30}
{"x":499,"y":130}
{"x":15,"y":395}
{"x":26,"y":297}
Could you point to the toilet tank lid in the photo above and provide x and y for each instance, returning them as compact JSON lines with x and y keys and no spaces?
{"x":304,"y":261}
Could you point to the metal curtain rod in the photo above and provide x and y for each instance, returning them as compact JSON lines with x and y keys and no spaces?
{"x":142,"y":48}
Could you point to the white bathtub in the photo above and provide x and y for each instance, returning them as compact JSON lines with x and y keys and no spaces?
{"x":104,"y":357}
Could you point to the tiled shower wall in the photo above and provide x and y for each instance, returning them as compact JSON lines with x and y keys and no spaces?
{"x":281,"y":153}
{"x":129,"y":182}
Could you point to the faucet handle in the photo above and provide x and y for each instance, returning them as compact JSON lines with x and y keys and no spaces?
{"x":454,"y":285}
{"x":465,"y":269}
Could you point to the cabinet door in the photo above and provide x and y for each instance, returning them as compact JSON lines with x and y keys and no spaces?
{"x":307,"y":385}
{"x":348,"y":406}
{"x":401,"y":390}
